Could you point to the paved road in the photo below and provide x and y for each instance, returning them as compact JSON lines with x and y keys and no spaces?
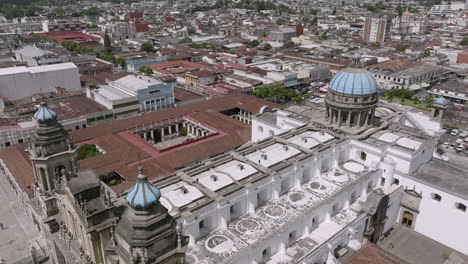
{"x":19,"y":230}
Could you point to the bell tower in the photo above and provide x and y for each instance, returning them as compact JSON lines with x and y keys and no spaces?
{"x":146,"y":233}
{"x":51,"y":151}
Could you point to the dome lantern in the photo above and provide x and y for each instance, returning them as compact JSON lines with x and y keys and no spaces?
{"x":44,"y":114}
{"x":143,"y":195}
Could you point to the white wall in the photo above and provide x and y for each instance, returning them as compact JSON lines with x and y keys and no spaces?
{"x":440,"y":221}
{"x":20,"y":82}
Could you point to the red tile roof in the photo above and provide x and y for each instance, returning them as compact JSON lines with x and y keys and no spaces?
{"x":372,"y":254}
{"x":123,"y":152}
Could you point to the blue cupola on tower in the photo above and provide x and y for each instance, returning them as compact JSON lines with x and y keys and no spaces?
{"x":143,"y":195}
{"x":44,"y":114}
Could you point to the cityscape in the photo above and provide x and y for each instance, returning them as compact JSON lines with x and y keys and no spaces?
{"x":233,"y":131}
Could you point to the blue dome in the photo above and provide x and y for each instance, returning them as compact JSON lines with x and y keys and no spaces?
{"x":44,"y":114}
{"x":440,"y":100}
{"x":354,"y":81}
{"x":144,"y":194}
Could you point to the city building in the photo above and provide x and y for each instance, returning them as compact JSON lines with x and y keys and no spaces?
{"x":63,"y":25}
{"x":119,"y":32}
{"x":133,"y":94}
{"x":442,"y":9}
{"x":396,"y":74}
{"x":315,"y":73}
{"x":282,"y":34}
{"x":310,"y":190}
{"x":377,"y":30}
{"x":34,"y":56}
{"x":20,"y":82}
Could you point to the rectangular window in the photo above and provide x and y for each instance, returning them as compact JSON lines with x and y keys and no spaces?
{"x":382,"y":181}
{"x":20,"y":141}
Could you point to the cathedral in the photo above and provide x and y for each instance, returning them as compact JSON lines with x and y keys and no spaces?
{"x":313,"y":182}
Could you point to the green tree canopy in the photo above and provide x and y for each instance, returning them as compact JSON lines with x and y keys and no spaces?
{"x":277,"y":93}
{"x":146,"y":70}
{"x":464,"y":42}
{"x":148,"y":47}
{"x":254,"y":43}
{"x":267,"y":46}
{"x":92,"y":11}
{"x":87,"y":151}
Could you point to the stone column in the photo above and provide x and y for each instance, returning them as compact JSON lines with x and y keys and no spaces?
{"x":366,"y":122}
{"x":162,"y":134}
{"x":359,"y":119}
{"x":177,"y":128}
{"x":349,"y":118}
{"x":170,"y":129}
{"x":339,"y":118}
{"x":330,"y":116}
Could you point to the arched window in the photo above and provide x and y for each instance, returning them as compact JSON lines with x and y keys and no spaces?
{"x":260,"y":129}
{"x":460,"y":207}
{"x":58,"y":171}
{"x":363,"y":155}
{"x":271,"y":133}
{"x":407,"y":219}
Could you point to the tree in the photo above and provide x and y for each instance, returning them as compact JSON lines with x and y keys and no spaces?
{"x":254,"y":43}
{"x":107,"y":42}
{"x":146,"y":70}
{"x":464,"y":42}
{"x":267,"y":46}
{"x":87,"y":151}
{"x":324,"y":36}
{"x":280,"y":21}
{"x":92,"y":11}
{"x":401,"y":48}
{"x":185,"y":40}
{"x":277,"y":93}
{"x":120,"y":61}
{"x":148,"y":47}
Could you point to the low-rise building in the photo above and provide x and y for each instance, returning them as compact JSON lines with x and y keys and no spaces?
{"x":289,"y":79}
{"x":199,"y":77}
{"x":34,"y":56}
{"x":315,"y":73}
{"x":132,"y":94}
{"x":63,"y":25}
{"x":21,"y":82}
{"x":282,"y":34}
{"x":442,"y":9}
{"x":452,"y":91}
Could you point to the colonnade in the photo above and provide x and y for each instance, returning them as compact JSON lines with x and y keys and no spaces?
{"x":162,"y":133}
{"x":351,"y":118}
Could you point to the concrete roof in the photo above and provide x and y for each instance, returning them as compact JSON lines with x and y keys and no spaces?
{"x":444,"y":175}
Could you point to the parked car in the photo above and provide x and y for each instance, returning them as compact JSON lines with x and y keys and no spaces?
{"x":460,"y":148}
{"x":459,"y":141}
{"x":454,"y":132}
{"x":445,"y":145}
{"x":466,"y":139}
{"x":453,"y":145}
{"x":463,"y":134}
{"x":448,"y":131}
